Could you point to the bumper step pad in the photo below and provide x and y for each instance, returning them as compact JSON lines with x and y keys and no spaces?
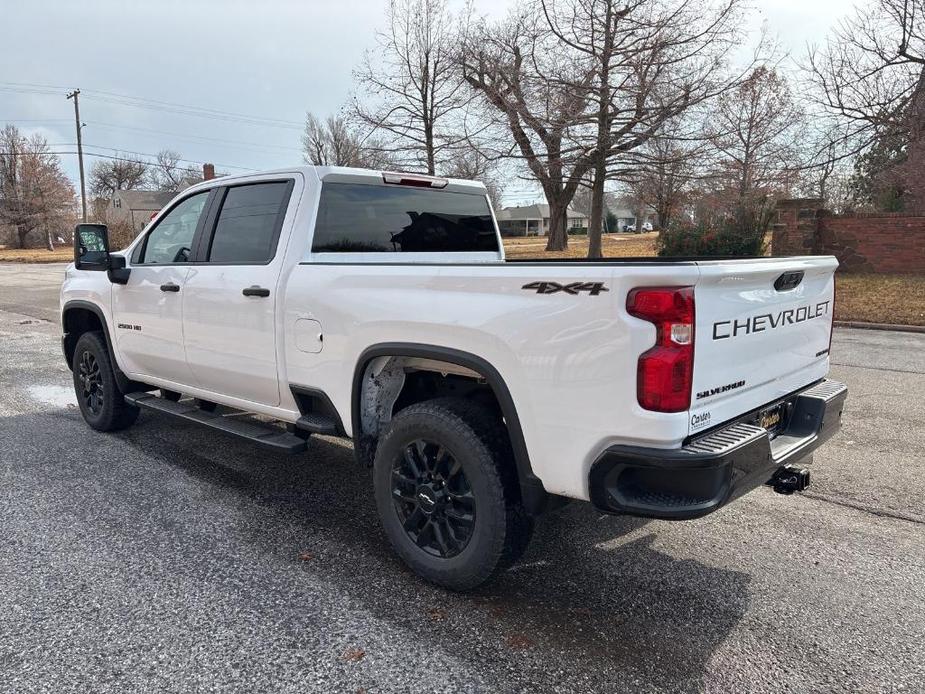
{"x":714,"y":469}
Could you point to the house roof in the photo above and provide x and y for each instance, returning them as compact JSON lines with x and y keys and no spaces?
{"x":144,"y":199}
{"x":617,"y":203}
{"x":535,"y":211}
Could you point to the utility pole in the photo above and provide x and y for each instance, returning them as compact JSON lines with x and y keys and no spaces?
{"x":80,"y":153}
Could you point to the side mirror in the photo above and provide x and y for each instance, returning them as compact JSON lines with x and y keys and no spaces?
{"x":91,"y":247}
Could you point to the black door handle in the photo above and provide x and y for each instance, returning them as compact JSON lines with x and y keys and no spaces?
{"x":170,"y":287}
{"x":255,"y":291}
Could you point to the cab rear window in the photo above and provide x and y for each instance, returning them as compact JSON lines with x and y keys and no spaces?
{"x":357,"y":218}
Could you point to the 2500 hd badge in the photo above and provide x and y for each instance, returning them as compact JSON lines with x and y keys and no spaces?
{"x":766,"y":321}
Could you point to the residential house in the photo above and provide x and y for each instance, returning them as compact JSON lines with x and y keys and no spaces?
{"x":136,"y":207}
{"x":626,"y":209}
{"x":533,"y":220}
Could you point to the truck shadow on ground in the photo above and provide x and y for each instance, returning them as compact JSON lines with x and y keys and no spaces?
{"x":595,"y":589}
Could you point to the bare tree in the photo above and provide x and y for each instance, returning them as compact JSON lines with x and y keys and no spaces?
{"x":652,"y":61}
{"x":755,"y":128}
{"x":616,"y":72}
{"x":539,"y":97}
{"x":34,"y":192}
{"x":411,"y":89}
{"x":332,"y":142}
{"x":169,"y":174}
{"x":474,"y":165}
{"x":666,"y":167}
{"x":123,"y":173}
{"x":870,"y":78}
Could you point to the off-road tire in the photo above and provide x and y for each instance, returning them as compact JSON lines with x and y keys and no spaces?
{"x":479,"y":443}
{"x":110,"y":412}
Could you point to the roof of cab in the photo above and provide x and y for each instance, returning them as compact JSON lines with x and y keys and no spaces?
{"x":345,"y":174}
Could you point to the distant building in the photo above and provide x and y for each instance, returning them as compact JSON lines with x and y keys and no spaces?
{"x":136,"y":207}
{"x":625,"y":209}
{"x":533,"y":220}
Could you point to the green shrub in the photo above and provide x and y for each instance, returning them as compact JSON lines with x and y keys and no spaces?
{"x":578,"y":231}
{"x":742,"y":233}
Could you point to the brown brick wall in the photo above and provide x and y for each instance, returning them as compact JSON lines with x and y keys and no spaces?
{"x":887,"y":243}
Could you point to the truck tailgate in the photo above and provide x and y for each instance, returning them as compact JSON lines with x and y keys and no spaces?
{"x":763,"y":329}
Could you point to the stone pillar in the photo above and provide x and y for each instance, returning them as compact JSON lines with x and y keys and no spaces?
{"x":795,"y":228}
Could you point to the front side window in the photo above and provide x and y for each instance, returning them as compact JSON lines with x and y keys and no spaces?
{"x":171,"y":241}
{"x":248,"y":224}
{"x":357,"y":218}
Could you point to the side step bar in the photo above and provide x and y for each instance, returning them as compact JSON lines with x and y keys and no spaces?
{"x":316,"y":423}
{"x":257,"y":432}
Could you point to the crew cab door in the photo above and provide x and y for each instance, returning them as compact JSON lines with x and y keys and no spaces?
{"x":231,"y":293}
{"x":148,"y":310}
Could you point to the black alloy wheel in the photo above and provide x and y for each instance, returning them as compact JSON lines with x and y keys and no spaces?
{"x":91,"y":380}
{"x":101,"y":402}
{"x":433,"y":498}
{"x":446,"y":492}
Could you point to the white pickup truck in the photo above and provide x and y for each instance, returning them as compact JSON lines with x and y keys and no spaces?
{"x":380,"y":307}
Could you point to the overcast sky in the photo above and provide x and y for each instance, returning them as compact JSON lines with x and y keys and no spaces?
{"x":269,"y":60}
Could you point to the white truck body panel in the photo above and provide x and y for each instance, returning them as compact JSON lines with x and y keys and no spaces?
{"x":568,"y":361}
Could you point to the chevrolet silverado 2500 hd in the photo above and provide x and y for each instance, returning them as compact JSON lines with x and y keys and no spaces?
{"x":379,"y":307}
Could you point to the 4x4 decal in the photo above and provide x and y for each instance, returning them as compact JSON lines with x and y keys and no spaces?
{"x":593,"y":288}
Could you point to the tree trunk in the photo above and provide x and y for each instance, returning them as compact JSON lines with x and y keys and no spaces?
{"x":429,"y":146}
{"x":640,"y":219}
{"x":595,"y":225}
{"x":558,"y":233}
{"x":49,"y":240}
{"x":22,"y":234}
{"x":604,"y":118}
{"x":664,"y":215}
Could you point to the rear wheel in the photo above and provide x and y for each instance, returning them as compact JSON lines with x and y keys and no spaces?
{"x":98,"y":395}
{"x":444,"y":496}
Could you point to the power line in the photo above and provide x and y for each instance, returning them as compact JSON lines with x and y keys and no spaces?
{"x":35,"y":120}
{"x":198,"y":139}
{"x":156,"y":105}
{"x":194,"y":138}
{"x":188,"y":161}
{"x":116,"y":158}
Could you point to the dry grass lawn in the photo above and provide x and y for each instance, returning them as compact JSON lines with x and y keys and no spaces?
{"x":62,"y":254}
{"x":614,"y":246}
{"x":897,"y":299}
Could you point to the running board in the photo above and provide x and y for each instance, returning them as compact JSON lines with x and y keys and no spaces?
{"x":252,"y":430}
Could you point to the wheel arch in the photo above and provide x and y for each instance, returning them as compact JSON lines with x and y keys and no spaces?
{"x":78,"y":317}
{"x":534,"y":495}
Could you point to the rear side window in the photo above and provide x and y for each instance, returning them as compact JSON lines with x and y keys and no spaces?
{"x":248,"y":223}
{"x":356,"y":218}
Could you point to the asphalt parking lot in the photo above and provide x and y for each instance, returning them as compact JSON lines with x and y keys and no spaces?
{"x":168,"y":558}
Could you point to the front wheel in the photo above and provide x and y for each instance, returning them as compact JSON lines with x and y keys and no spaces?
{"x":442,"y":498}
{"x":98,"y":395}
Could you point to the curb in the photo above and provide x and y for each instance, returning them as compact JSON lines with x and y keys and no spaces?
{"x":880,"y":326}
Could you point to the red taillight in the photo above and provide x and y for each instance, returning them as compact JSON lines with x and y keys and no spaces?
{"x":665,"y":372}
